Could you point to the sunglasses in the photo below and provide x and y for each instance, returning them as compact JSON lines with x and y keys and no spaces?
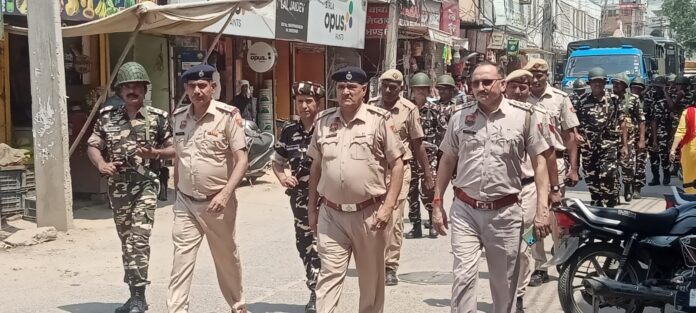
{"x":484,"y":82}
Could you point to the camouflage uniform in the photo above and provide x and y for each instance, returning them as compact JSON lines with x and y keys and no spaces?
{"x":657,"y":109}
{"x":599,"y":125}
{"x":434,"y":119}
{"x":292,"y":149}
{"x":133,"y":190}
{"x":633,"y":113}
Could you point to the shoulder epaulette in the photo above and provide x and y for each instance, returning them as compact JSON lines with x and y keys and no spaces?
{"x":379,"y":111}
{"x":560,"y":92}
{"x":157,"y":111}
{"x":107,"y":108}
{"x":521,"y":105}
{"x":373,"y":100}
{"x":226,"y":108}
{"x":180,"y":109}
{"x":326,"y":112}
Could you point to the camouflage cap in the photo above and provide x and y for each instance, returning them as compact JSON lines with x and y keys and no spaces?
{"x":307,"y":88}
{"x":621,"y":77}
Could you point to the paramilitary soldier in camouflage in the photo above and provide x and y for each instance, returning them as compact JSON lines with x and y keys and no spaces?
{"x":291,"y":150}
{"x":429,"y":115}
{"x":635,"y":126}
{"x":657,"y":113}
{"x":601,"y":125}
{"x":579,"y":90}
{"x":638,"y":89}
{"x":132,"y":136}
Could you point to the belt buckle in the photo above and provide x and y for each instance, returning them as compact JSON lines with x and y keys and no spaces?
{"x":481,"y":205}
{"x":349,"y":207}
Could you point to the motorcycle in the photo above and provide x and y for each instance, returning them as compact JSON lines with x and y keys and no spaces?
{"x":677,"y":197}
{"x":260,"y":148}
{"x":612,"y":258}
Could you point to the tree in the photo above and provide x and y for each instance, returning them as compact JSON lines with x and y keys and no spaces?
{"x":681,"y":15}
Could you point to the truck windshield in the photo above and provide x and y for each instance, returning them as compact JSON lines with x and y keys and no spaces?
{"x":612,"y":64}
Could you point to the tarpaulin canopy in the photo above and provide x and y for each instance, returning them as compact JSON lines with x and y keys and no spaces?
{"x":172,"y":19}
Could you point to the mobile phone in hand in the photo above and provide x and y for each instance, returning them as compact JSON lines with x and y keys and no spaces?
{"x":529,"y":236}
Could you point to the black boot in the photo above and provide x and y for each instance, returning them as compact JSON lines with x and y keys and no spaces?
{"x":656,"y":178}
{"x":311,"y":306}
{"x":429,"y":223}
{"x":391,"y":279}
{"x":666,"y":179}
{"x":416,"y":232}
{"x":138,"y":304}
{"x":636,"y":192}
{"x":125,"y":308}
{"x":520,"y":305}
{"x":628,"y":193}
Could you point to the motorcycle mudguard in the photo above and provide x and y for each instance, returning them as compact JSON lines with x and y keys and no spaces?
{"x":566,"y":249}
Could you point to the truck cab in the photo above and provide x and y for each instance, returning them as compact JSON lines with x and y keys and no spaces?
{"x":624,"y":59}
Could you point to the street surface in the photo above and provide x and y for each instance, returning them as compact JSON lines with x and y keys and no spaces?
{"x":81,"y":272}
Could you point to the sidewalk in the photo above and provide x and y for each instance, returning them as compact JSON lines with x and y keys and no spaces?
{"x":82,"y":272}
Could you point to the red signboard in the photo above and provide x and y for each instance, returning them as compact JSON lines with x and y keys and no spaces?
{"x":449,"y":17}
{"x":377,"y":20}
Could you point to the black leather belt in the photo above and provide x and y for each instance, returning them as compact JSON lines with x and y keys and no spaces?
{"x":207,"y":198}
{"x":527,"y":181}
{"x":486,"y":205}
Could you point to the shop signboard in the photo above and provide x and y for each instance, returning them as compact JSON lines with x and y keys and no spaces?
{"x":513,"y":46}
{"x":291,"y":19}
{"x":75,"y":10}
{"x":189,"y":58}
{"x":425,"y":15}
{"x":449,"y":17}
{"x":257,"y":22}
{"x":261,"y":57}
{"x":337,"y":23}
{"x":497,"y":40}
{"x":377,"y":20}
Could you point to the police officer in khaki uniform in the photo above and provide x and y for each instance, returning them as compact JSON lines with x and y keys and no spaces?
{"x":517,"y":88}
{"x":354,"y":148}
{"x":487,"y":141}
{"x":562,"y":111}
{"x":407,"y":122}
{"x":210,"y":162}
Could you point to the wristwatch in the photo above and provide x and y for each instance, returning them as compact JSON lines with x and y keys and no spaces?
{"x":556,"y":188}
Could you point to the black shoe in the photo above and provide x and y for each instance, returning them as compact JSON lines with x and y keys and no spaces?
{"x":390,"y":279}
{"x":636,"y":193}
{"x":125,"y":308}
{"x":655,"y":181}
{"x":539,"y":278}
{"x":311,"y":306}
{"x":138,"y":303}
{"x":427,"y":224}
{"x":666,"y":179}
{"x":416,"y":232}
{"x":432,"y":233}
{"x":519,"y":305}
{"x":628,"y":193}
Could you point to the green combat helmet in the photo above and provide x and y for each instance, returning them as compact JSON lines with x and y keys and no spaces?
{"x":681,"y":80}
{"x":597,"y":73}
{"x":579,"y":84}
{"x":446,"y":80}
{"x":420,"y":80}
{"x":659,"y":81}
{"x":621,"y":77}
{"x":131,"y":72}
{"x":638,"y":81}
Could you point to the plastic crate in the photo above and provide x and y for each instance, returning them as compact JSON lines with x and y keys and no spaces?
{"x":30,"y":208}
{"x":11,"y":179}
{"x":12,"y":201}
{"x":28,"y":180}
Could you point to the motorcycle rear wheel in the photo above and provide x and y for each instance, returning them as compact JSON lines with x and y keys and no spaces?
{"x":571,"y":292}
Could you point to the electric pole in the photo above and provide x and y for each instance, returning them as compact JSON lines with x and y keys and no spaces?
{"x":50,"y":119}
{"x":392,"y":36}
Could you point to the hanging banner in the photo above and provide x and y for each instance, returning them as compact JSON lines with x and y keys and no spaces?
{"x":513,"y":46}
{"x":337,"y":23}
{"x":449,"y":17}
{"x":425,"y":15}
{"x":75,"y":10}
{"x":377,"y":20}
{"x":291,"y":19}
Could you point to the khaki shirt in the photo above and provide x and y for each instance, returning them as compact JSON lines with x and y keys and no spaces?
{"x":491,"y":149}
{"x":354,"y":155}
{"x":546,"y":129}
{"x":204,"y":148}
{"x":407,"y":122}
{"x":560,"y":108}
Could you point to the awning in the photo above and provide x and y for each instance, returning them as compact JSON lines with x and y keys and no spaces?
{"x":434,"y":35}
{"x":173,"y":19}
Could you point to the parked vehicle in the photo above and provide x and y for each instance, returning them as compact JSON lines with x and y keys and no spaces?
{"x":677,"y":197}
{"x":260,"y":148}
{"x":607,"y":256}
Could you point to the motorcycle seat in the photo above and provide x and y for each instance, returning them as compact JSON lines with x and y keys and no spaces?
{"x":646,"y":224}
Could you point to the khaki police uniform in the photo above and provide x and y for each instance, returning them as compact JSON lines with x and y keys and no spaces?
{"x":204,"y":162}
{"x":490,"y":151}
{"x":354,"y":158}
{"x":407,"y":122}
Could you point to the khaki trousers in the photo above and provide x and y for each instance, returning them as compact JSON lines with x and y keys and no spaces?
{"x":396,"y":234}
{"x":191,"y":223}
{"x":496,"y":231}
{"x":539,"y":248}
{"x":528,"y":202}
{"x":341,"y":234}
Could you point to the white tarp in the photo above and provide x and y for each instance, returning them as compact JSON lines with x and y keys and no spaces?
{"x":173,"y":19}
{"x":258,"y":21}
